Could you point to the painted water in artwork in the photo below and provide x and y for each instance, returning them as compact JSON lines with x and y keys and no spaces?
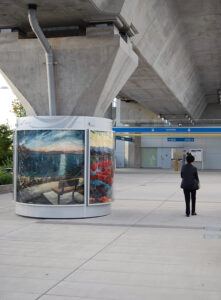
{"x":50,"y":167}
{"x":101,"y":166}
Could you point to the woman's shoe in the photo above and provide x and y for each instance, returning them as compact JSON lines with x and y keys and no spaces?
{"x":194,"y":214}
{"x":187,"y":215}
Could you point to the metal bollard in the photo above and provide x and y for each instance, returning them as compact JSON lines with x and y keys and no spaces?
{"x":176,"y":165}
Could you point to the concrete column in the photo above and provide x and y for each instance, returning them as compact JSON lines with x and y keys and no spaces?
{"x":133,"y":153}
{"x":108,"y":112}
{"x":137,"y":152}
{"x":89,"y":71}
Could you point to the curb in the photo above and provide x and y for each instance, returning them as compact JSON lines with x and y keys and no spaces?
{"x":6,"y":188}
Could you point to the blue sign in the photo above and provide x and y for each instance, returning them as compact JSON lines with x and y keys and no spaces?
{"x":168,"y":129}
{"x":180,"y":139}
{"x":123,"y":138}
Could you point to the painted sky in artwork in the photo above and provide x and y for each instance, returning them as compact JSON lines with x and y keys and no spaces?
{"x":101,"y":139}
{"x":52,"y":140}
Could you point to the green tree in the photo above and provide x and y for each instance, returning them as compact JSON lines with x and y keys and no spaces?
{"x":6,"y":141}
{"x":18,"y":109}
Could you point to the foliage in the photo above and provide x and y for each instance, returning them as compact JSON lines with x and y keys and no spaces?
{"x":5,"y":178}
{"x":8,"y":163}
{"x":5,"y":144}
{"x":18,"y":109}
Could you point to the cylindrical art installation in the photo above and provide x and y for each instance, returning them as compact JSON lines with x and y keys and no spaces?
{"x":64,"y":167}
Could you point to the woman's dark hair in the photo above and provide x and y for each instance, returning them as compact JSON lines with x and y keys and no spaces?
{"x":190,"y":158}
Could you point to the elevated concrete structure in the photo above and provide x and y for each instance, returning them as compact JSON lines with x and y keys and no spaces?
{"x":89,"y":71}
{"x":176,"y":42}
{"x":133,"y":113}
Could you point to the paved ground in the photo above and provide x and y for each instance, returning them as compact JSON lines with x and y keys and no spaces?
{"x":146,"y":249}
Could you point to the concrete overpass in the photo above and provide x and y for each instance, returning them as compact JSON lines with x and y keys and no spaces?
{"x":163,"y":54}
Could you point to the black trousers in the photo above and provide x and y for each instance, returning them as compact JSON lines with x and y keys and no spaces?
{"x":187,"y":194}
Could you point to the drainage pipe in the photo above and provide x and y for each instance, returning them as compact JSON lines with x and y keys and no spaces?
{"x":48,"y":54}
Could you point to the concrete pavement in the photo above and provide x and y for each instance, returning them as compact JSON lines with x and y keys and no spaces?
{"x":146,"y":249}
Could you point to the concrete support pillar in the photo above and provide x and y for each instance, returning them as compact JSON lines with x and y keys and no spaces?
{"x":108,"y":112}
{"x":132,"y":153}
{"x":137,"y":152}
{"x":89,"y":71}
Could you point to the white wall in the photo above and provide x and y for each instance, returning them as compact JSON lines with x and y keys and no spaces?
{"x":211,"y":148}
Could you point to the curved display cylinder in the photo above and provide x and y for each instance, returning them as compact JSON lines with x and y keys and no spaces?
{"x":63,"y":167}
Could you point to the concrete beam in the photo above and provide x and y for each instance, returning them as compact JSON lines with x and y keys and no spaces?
{"x":212,"y":111}
{"x":162,"y":43}
{"x":134,"y":113}
{"x":89,"y":71}
{"x":176,"y":42}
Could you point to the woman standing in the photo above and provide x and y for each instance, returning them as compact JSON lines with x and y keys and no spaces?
{"x":190,"y":183}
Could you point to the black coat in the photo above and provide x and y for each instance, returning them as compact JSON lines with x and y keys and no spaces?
{"x":190,"y":179}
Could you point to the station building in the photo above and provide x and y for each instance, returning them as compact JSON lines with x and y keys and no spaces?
{"x":146,"y":140}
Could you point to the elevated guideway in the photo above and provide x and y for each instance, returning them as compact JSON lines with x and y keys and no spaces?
{"x":96,"y":44}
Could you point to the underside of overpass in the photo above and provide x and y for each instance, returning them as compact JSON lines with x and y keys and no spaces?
{"x":96,"y":44}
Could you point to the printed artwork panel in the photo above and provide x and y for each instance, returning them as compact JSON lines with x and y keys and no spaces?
{"x":101,"y":166}
{"x":51,"y":167}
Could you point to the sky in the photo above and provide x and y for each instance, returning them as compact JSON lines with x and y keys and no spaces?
{"x":56,"y":140}
{"x":6,"y":98}
{"x":101,"y":139}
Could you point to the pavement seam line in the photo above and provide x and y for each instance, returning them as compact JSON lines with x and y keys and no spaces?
{"x":82,"y":264}
{"x":155,"y":208}
{"x":17,"y":229}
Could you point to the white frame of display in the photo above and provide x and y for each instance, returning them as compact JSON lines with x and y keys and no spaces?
{"x":71,"y":210}
{"x":15,"y":165}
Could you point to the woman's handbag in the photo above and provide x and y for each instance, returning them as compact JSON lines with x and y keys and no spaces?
{"x":196,"y":185}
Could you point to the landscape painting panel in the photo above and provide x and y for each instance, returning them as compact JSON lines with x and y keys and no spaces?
{"x":50,"y":167}
{"x":101,"y":166}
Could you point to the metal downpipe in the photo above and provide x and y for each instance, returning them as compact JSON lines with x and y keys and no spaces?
{"x":48,"y":54}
